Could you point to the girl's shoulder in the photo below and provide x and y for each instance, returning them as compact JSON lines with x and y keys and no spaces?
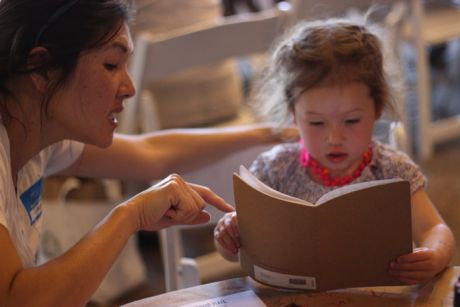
{"x":389,"y":163}
{"x":388,"y":156}
{"x":281,"y":154}
{"x":276,"y":162}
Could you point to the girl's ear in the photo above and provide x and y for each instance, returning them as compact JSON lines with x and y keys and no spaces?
{"x":292,"y":114}
{"x":37,"y":58}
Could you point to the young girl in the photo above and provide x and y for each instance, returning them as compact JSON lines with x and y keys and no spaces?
{"x":328,"y":76}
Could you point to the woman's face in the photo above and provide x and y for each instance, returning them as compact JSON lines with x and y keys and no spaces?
{"x":86,"y":108}
{"x":336,"y":123}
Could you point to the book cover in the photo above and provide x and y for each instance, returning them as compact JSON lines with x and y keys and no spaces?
{"x":347,"y":239}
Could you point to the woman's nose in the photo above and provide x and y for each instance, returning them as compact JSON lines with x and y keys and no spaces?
{"x":128,"y":89}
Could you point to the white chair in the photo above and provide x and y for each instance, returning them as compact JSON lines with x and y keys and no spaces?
{"x":159,"y":56}
{"x":156,"y":57}
{"x":431,"y":26}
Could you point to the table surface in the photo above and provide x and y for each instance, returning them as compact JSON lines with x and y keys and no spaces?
{"x":437,"y":292}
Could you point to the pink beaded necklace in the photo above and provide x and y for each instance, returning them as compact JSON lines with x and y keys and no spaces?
{"x":323,"y":175}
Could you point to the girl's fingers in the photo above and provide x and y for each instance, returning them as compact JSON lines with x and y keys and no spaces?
{"x":226,"y":241}
{"x":225,"y":234}
{"x":232,"y":229}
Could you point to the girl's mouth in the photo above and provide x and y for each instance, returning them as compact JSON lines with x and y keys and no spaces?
{"x":336,"y":157}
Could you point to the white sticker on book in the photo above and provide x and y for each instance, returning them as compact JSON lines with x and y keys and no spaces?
{"x":284,"y":280}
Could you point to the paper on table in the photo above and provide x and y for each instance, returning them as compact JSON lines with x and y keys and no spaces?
{"x":246,"y":298}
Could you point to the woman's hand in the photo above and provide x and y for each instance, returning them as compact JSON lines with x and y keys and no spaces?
{"x":285,"y":134}
{"x":226,"y":233}
{"x":174,"y":201}
{"x":417,"y":267}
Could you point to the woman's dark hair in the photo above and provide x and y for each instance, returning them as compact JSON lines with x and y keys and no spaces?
{"x":64,"y":27}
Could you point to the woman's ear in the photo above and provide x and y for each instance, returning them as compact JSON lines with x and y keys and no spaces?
{"x":37,"y":59}
{"x":378,"y":112}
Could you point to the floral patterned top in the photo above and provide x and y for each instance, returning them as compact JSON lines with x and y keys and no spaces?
{"x":280,"y":168}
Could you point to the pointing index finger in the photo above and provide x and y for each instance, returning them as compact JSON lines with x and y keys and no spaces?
{"x":212,"y":198}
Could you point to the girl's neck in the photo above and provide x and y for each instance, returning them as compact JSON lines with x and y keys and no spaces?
{"x":323,"y":176}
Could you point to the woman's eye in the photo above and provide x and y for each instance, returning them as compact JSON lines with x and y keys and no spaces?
{"x":109,"y":66}
{"x":314,"y":123}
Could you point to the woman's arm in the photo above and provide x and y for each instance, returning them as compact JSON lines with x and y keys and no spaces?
{"x":154,"y":155}
{"x":71,"y":279}
{"x":434,"y":241}
{"x":68,"y":280}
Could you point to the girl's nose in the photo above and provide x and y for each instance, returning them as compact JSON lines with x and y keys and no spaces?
{"x":335,"y":135}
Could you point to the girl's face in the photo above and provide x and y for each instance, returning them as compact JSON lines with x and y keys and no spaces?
{"x":86,"y":108}
{"x":336,"y":123}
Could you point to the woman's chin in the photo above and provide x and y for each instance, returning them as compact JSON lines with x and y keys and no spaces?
{"x":103,"y":143}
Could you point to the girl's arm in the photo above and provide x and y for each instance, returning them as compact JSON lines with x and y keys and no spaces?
{"x":154,"y":155}
{"x":434,"y":241}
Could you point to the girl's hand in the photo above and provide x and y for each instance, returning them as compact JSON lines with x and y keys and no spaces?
{"x":226,"y":233}
{"x":417,"y":267}
{"x":174,"y":201}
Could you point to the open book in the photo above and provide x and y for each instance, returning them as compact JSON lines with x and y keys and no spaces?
{"x":347,"y":239}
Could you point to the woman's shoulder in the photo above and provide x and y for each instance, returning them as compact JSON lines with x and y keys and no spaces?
{"x":60,"y":155}
{"x":4,"y":151}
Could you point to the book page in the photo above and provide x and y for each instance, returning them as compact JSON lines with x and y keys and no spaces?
{"x":254,"y":182}
{"x":352,"y":188}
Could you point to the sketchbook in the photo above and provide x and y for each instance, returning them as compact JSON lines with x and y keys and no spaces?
{"x":347,"y":239}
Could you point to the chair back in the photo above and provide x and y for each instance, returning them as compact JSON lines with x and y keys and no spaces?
{"x":158,"y":56}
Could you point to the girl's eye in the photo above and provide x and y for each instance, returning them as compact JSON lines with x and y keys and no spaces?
{"x":109,"y":66}
{"x":316,"y":123}
{"x":352,"y":121}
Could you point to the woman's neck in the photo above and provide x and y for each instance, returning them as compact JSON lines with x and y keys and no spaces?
{"x":24,"y":142}
{"x":29,"y":129}
{"x":25,"y":131}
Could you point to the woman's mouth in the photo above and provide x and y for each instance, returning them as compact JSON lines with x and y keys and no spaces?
{"x":113,"y":118}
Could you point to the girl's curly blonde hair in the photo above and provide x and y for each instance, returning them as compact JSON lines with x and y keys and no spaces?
{"x":324,"y":52}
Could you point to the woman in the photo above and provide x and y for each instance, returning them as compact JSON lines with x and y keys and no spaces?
{"x":63,"y":80}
